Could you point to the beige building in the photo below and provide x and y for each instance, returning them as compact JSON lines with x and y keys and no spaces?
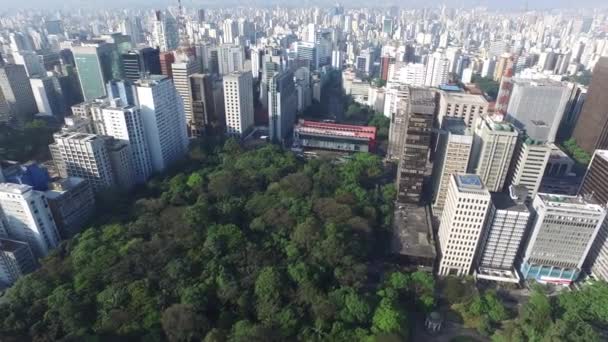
{"x":469,"y":107}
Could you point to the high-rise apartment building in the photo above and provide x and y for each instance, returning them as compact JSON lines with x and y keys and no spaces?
{"x":27,"y":217}
{"x":416,"y":145}
{"x":437,"y":70}
{"x":493,"y":147}
{"x":230,"y":58}
{"x":16,"y":260}
{"x":504,"y":231}
{"x":282,"y":105}
{"x":528,"y":166}
{"x":125,"y":123}
{"x":537,"y":107}
{"x":462,"y":223}
{"x":562,"y":233}
{"x":238,"y":101}
{"x":17,"y":103}
{"x":452,"y":156}
{"x":412,"y":74}
{"x":591,"y":131}
{"x":166,"y":61}
{"x":84,"y":156}
{"x":181,"y":79}
{"x":469,"y":107}
{"x":164,"y":121}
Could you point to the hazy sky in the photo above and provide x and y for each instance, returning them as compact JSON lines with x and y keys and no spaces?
{"x":510,"y":4}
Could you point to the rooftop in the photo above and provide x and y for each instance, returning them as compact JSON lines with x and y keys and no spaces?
{"x":324,"y":128}
{"x":602,"y":154}
{"x":569,"y":202}
{"x":469,"y":181}
{"x":16,"y":189}
{"x":503,"y":201}
{"x":412,"y":233}
{"x":59,"y":187}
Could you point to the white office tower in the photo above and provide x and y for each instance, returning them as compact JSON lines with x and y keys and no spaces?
{"x":537,"y":106}
{"x":181,"y":79}
{"x":27,"y":217}
{"x":529,"y":164}
{"x":412,"y":74}
{"x":337,"y":59}
{"x":452,"y":156}
{"x":493,"y":147}
{"x":437,"y":70}
{"x":238,"y":101}
{"x":282,"y":105}
{"x":165,"y":31}
{"x":503,"y":235}
{"x":307,"y":51}
{"x":469,"y":107}
{"x":85,"y":156}
{"x":230,"y":58}
{"x":562,"y":234}
{"x":16,"y":260}
{"x":462,"y":223}
{"x":164,"y":121}
{"x":124,"y":122}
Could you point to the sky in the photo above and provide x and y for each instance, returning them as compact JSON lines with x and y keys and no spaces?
{"x":493,"y":4}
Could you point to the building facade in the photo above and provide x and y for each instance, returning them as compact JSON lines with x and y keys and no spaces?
{"x":562,"y":233}
{"x":452,"y":156}
{"x":27,"y":217}
{"x":462,"y":223}
{"x":238,"y":101}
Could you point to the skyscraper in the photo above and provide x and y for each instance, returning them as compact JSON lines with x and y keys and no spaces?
{"x":529,"y":163}
{"x":594,"y":184}
{"x":238,"y":100}
{"x":563,"y":231}
{"x":469,"y":107}
{"x":181,"y":79}
{"x":416,"y":144}
{"x":96,"y":66}
{"x":452,"y":156}
{"x":124,"y":122}
{"x":537,"y":107}
{"x":437,"y":70}
{"x":230,"y":58}
{"x":164,"y":121}
{"x":282,"y":105}
{"x":165,"y":31}
{"x":505,"y":230}
{"x":84,"y":156}
{"x":493,"y":147}
{"x":462,"y":223}
{"x":72,"y":204}
{"x":591,"y":131}
{"x":17,"y":103}
{"x":207,"y":103}
{"x":27,"y":217}
{"x":137,"y":63}
{"x":48,"y":95}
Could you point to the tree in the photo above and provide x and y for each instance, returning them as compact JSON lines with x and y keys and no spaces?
{"x":181,"y":323}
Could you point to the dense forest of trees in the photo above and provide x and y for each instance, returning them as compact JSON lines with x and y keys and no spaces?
{"x":244,"y":246}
